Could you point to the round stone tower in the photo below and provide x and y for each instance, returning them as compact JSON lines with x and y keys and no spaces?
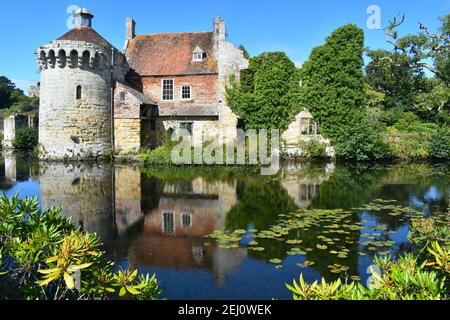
{"x":78,"y":72}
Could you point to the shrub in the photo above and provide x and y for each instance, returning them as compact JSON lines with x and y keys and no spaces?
{"x":439,"y":147}
{"x":160,"y":156}
{"x":314,"y":149}
{"x":409,"y":146}
{"x":361,"y":142}
{"x":26,"y":139}
{"x":43,"y":253}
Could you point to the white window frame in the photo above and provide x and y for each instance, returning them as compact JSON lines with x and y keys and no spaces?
{"x":198,"y":56}
{"x":190,"y":92}
{"x":163,"y":229}
{"x":162,"y":89}
{"x":183,"y":214}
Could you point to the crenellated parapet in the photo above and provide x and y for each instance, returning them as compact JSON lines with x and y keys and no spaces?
{"x":72,"y":54}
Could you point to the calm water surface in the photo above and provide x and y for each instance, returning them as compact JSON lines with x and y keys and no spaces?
{"x":320,"y":219}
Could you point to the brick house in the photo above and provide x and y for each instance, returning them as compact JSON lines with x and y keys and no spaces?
{"x":176,"y":81}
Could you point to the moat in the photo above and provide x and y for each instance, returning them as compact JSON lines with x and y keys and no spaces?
{"x":320,"y":219}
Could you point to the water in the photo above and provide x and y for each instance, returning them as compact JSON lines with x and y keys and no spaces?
{"x":338,"y":216}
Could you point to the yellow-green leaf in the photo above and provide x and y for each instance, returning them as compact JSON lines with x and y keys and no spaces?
{"x":69,"y":281}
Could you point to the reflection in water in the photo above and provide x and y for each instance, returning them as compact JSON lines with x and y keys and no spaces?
{"x":159,"y":220}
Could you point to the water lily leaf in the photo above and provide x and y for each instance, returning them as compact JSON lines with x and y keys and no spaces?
{"x":275,"y":261}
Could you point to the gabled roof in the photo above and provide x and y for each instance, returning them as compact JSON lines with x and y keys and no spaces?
{"x":87,"y":34}
{"x":171,"y":54}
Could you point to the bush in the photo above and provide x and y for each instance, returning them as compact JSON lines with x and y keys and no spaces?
{"x":26,"y":139}
{"x":409,"y":145}
{"x":160,"y":156}
{"x":439,"y":147}
{"x":41,"y":254}
{"x":363,"y":143}
{"x":314,"y":149}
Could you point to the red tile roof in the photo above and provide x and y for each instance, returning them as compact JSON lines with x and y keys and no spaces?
{"x":171,"y":54}
{"x":87,"y":34}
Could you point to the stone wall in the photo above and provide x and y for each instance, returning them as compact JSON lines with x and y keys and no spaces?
{"x":230,"y":62}
{"x":127,"y":135}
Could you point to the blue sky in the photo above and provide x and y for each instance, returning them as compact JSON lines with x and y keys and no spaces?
{"x":292,"y":26}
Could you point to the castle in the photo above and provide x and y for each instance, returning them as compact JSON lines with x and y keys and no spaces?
{"x":95,"y":98}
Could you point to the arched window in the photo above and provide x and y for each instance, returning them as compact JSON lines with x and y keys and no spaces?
{"x":51,"y":59}
{"x":122,"y":97}
{"x":78,"y":92}
{"x":86,"y":59}
{"x":97,"y":61}
{"x":62,"y":59}
{"x":74,"y":59}
{"x":43,"y":60}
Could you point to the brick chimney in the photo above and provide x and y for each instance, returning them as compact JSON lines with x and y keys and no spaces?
{"x":131,"y":29}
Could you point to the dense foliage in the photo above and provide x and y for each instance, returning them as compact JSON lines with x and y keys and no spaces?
{"x":265,"y":96}
{"x":419,"y":276}
{"x":43,"y":256}
{"x":439,"y":147}
{"x":333,"y":90}
{"x":26,"y":139}
{"x":14,"y":99}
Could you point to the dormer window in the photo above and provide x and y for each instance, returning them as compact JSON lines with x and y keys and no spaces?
{"x":198,"y":54}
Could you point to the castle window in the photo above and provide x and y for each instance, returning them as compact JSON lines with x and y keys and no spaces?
{"x":74,"y":59}
{"x":122,"y":97}
{"x":62,"y":59}
{"x":52,"y":59}
{"x":186,"y":92}
{"x":78,"y":92}
{"x":86,"y":59}
{"x":167,"y":89}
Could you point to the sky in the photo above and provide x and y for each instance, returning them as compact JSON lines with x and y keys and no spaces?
{"x":292,"y":26}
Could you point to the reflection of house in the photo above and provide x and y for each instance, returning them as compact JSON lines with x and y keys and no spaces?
{"x":175,"y":230}
{"x":301,"y":186}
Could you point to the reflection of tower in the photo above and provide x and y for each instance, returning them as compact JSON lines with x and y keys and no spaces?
{"x":83,"y":192}
{"x":10,"y":167}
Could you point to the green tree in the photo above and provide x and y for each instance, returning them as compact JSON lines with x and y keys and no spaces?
{"x":390,"y":74}
{"x":334,"y":92}
{"x":265,"y":98}
{"x":8,"y":93}
{"x":421,"y":47}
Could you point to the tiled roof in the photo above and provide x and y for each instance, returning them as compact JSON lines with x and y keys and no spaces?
{"x":188,"y":111}
{"x":171,"y":54}
{"x":87,"y":34}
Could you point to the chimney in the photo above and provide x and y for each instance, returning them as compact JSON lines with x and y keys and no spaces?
{"x":131,"y":29}
{"x":219,"y":29}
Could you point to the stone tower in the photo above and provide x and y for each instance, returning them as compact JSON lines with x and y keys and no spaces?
{"x":78,"y":72}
